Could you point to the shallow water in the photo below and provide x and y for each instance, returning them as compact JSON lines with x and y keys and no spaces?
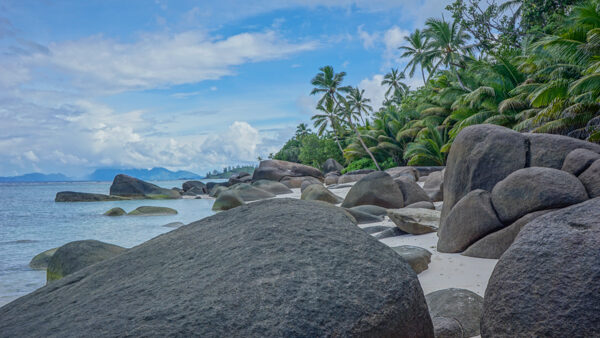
{"x":31,"y":222}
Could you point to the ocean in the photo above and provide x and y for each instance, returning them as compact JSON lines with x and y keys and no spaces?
{"x":31,"y":222}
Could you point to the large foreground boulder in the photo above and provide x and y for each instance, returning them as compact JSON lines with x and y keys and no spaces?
{"x":547,"y":283}
{"x":532,"y":189}
{"x":275,"y":170}
{"x":377,"y":188}
{"x":276,"y":268}
{"x":481,"y":156}
{"x":462,"y":305}
{"x":72,"y":196}
{"x":472,"y":218}
{"x":77,"y":255}
{"x":128,"y":186}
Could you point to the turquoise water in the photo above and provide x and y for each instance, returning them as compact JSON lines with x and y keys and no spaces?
{"x":31,"y":222}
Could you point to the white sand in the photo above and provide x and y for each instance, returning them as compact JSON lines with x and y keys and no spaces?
{"x":445,"y":270}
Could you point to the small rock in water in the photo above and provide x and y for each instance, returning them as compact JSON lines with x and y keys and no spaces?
{"x":174,"y":225}
{"x":152,"y":211}
{"x":115,"y":212}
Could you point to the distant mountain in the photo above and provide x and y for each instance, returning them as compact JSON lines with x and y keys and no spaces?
{"x":37,"y":177}
{"x":154,"y":174}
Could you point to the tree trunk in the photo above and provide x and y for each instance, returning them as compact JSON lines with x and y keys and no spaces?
{"x":335,"y":135}
{"x":363,"y":144}
{"x":423,"y":75}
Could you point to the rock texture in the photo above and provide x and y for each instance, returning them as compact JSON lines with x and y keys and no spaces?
{"x":249,"y":193}
{"x":462,"y":305}
{"x":242,"y":177}
{"x":309,"y":181}
{"x":421,"y":205}
{"x":72,"y":196}
{"x":296,"y":182}
{"x":152,"y":211}
{"x":272,"y":187}
{"x":317,"y":192}
{"x":417,"y":257}
{"x":115,"y":212}
{"x":128,"y":186}
{"x":591,"y":179}
{"x":331,"y":178}
{"x":354,"y":176}
{"x":411,"y":191}
{"x":276,"y":170}
{"x":472,"y":218}
{"x":495,"y":244}
{"x":547,"y":150}
{"x":377,"y":188}
{"x":444,"y":327}
{"x":415,"y":221}
{"x":226,"y":200}
{"x":41,"y":260}
{"x":332,"y":165}
{"x":393,"y":232}
{"x":363,"y":217}
{"x":77,"y":255}
{"x":579,"y":160}
{"x":196,"y":186}
{"x":547,"y":283}
{"x":434,"y":186}
{"x":255,"y":270}
{"x":532,"y":189}
{"x":406,"y":172}
{"x":480,"y":157}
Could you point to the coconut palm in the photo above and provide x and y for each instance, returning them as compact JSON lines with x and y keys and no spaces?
{"x":302,"y":130}
{"x":328,"y":118}
{"x":418,"y":50}
{"x":393,"y":80}
{"x":448,"y":43}
{"x":329,"y":83}
{"x":356,"y":104}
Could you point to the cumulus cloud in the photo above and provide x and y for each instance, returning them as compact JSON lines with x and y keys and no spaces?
{"x":374,"y":90}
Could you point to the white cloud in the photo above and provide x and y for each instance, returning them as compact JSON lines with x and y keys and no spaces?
{"x":374,"y":90}
{"x":161,"y":60}
{"x":30,"y":155}
{"x":368,"y":39}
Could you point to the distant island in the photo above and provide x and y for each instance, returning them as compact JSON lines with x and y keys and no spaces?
{"x":107,"y":174}
{"x":230,"y":171}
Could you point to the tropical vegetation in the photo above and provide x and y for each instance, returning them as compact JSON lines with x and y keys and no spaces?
{"x":529,"y":65}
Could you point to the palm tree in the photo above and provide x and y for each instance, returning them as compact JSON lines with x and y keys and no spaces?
{"x":329,"y":118}
{"x":393,"y":80}
{"x":328,"y":82}
{"x":417,"y":50}
{"x":427,"y":148}
{"x":302,"y":130}
{"x":448,"y":45}
{"x":355,"y":106}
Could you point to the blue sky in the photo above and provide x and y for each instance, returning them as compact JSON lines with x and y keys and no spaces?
{"x":193,"y":85}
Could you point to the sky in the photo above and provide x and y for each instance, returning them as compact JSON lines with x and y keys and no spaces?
{"x":181,"y":84}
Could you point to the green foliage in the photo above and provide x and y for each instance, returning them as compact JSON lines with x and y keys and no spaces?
{"x":363,"y":163}
{"x":290,"y":151}
{"x":230,"y":171}
{"x":315,"y":150}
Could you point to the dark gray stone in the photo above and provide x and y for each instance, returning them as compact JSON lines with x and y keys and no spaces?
{"x":115,"y":212}
{"x":471,"y":219}
{"x":152,"y":211}
{"x":276,"y":170}
{"x":495,"y":244}
{"x":199,"y":186}
{"x":550,"y":151}
{"x":444,"y":327}
{"x":72,"y":196}
{"x":532,"y":189}
{"x":273,"y":187}
{"x":41,"y":260}
{"x":128,"y":186}
{"x":364,"y":217}
{"x":591,"y":179}
{"x":481,"y":156}
{"x":579,"y":160}
{"x":226,"y":200}
{"x":377,"y":188}
{"x":434,"y":186}
{"x":354,"y":176}
{"x":332,"y":165}
{"x":463,"y":305}
{"x":195,"y":191}
{"x":317,"y":192}
{"x":211,"y":185}
{"x":411,"y":191}
{"x":173,"y":225}
{"x":332,"y":178}
{"x":218,"y":189}
{"x":421,"y":205}
{"x":77,"y":255}
{"x":547,"y":283}
{"x":417,"y":257}
{"x":296,"y":182}
{"x":308,"y":182}
{"x":406,"y":172}
{"x":393,"y":232}
{"x":249,"y":193}
{"x":275,"y":268}
{"x":242,"y":177}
